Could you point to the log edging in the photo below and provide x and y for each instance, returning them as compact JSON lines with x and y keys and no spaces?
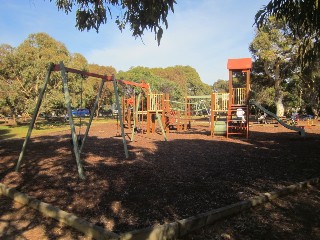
{"x":183,"y":227}
{"x":172,"y":230}
{"x":89,"y":229}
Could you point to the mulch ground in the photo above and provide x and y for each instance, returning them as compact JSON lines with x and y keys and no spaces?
{"x":161,"y":181}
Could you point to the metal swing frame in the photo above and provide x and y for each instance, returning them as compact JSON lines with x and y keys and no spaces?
{"x":76,"y":148}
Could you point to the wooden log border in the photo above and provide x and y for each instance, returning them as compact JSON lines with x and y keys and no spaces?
{"x":182,"y":227}
{"x":49,"y":210}
{"x":173,"y":230}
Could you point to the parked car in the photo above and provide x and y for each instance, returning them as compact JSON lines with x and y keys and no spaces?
{"x":80,"y":112}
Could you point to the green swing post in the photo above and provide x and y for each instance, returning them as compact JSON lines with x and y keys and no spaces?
{"x":71,"y":122}
{"x":34,"y":116}
{"x":92,"y":113}
{"x":120,"y":117}
{"x":158,"y":117}
{"x":135,"y":109}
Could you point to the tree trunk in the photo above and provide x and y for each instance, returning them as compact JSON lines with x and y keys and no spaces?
{"x":278,"y":96}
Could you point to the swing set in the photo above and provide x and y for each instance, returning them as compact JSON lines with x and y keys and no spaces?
{"x":77,"y":141}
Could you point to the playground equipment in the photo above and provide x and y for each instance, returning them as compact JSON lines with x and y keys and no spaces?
{"x":279,"y":120}
{"x":226,"y":107}
{"x":230,"y":111}
{"x":77,"y":146}
{"x":133,"y":109}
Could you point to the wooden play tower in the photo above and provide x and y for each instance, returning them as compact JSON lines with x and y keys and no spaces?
{"x":238,"y":96}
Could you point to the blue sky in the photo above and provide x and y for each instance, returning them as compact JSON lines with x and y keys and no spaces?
{"x":202,"y":34}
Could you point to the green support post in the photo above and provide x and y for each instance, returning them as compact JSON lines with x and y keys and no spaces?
{"x":120,"y":117}
{"x":135,"y":109}
{"x":73,"y":131}
{"x":92,"y":113}
{"x":34,"y":116}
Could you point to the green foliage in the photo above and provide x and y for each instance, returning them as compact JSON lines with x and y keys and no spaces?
{"x":107,"y":94}
{"x":140,"y":15}
{"x":186,"y":77}
{"x":274,"y":51}
{"x":157,"y":83}
{"x":302,"y":18}
{"x":23,"y":70}
{"x":221,"y":86}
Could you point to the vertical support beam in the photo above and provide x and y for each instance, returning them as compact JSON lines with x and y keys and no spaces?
{"x":123,"y":109}
{"x":71,"y":122}
{"x":178,"y":114}
{"x":120,"y":117}
{"x":213,"y":108}
{"x":185,"y":121}
{"x":167,"y":112}
{"x":158,"y":117}
{"x":230,"y":101}
{"x":148,"y":113}
{"x":135,"y":115}
{"x":248,"y":86}
{"x":230,"y":88}
{"x":92,"y":113}
{"x":34,"y":116}
{"x":163,"y":115}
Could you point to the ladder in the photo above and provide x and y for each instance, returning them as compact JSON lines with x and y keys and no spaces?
{"x":237,"y":125}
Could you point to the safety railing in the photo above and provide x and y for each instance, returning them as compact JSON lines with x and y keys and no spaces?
{"x":239,"y":96}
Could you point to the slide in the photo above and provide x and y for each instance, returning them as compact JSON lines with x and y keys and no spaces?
{"x":293,"y":128}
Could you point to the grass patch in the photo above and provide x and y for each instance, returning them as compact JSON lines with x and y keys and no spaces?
{"x":45,"y":127}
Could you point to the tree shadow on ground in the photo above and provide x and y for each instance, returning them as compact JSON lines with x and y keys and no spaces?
{"x":161,"y":181}
{"x":292,"y":217}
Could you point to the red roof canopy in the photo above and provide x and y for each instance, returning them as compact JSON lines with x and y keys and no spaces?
{"x":239,"y":64}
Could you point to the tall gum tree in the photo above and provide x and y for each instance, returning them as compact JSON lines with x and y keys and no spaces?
{"x":273,"y":46}
{"x":32,"y":57}
{"x":302,"y":17}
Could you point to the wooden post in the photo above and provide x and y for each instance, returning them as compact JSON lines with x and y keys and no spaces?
{"x":148,"y":113}
{"x":34,"y":116}
{"x":158,"y":117}
{"x":92,"y":113}
{"x":123,"y":109}
{"x":167,"y":112}
{"x":248,"y":87}
{"x":185,"y":121}
{"x":230,"y":88}
{"x":213,"y":108}
{"x":135,"y":115}
{"x":178,"y":121}
{"x":163,"y":115}
{"x":120,"y":116}
{"x":72,"y":127}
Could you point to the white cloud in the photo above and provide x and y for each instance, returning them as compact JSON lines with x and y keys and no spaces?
{"x":202,"y":34}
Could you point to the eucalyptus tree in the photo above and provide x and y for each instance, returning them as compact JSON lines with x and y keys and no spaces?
{"x":32,"y":58}
{"x":140,"y":15}
{"x":274,"y":47}
{"x":158,"y":84}
{"x":107,"y":94}
{"x":309,"y":85}
{"x":9,"y":96}
{"x":302,"y":17}
{"x":220,"y":86}
{"x":186,"y":77}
